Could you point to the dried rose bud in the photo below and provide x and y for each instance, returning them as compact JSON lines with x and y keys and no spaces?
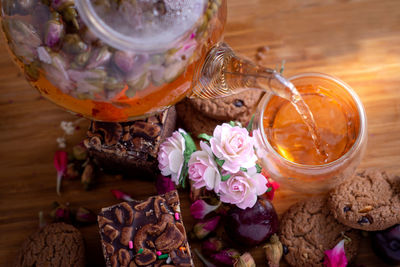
{"x":99,"y":57}
{"x":84,"y":215}
{"x":87,"y":177}
{"x":60,"y":163}
{"x":54,"y":31}
{"x":71,"y":172}
{"x":121,"y":195}
{"x":336,"y":257}
{"x":73,"y":44}
{"x":164,"y":184}
{"x":205,"y":227}
{"x":273,"y":251}
{"x":61,"y":213}
{"x":70,"y":15}
{"x":61,"y":4}
{"x":212,"y":245}
{"x":124,"y":61}
{"x":226,"y":257}
{"x":81,"y":59}
{"x":199,"y":209}
{"x":80,"y":152}
{"x":246,"y":260}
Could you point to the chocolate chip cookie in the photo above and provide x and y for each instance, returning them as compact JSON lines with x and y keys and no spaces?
{"x":230,"y":107}
{"x":195,"y":122}
{"x":369,"y":201}
{"x":56,"y":244}
{"x":308,"y":229}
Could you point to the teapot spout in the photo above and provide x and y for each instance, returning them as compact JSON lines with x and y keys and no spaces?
{"x":224,"y":73}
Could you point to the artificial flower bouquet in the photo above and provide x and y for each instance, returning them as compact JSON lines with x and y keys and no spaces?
{"x":225,"y":165}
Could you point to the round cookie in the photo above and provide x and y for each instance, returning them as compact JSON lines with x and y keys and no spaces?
{"x":194,"y":122}
{"x":56,"y":244}
{"x":308,"y":229}
{"x":369,"y":201}
{"x":230,"y":107}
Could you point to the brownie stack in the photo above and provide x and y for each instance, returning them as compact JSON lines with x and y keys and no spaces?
{"x":145,"y":233}
{"x":128,"y":147}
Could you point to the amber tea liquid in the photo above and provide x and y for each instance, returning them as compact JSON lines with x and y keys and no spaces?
{"x":336,"y":120}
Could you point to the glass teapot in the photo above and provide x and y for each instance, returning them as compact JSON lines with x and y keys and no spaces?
{"x":120,"y":60}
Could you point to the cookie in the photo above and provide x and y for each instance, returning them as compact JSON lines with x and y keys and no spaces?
{"x":308,"y":229}
{"x":130,"y":147}
{"x":56,"y":244}
{"x":369,"y":201}
{"x":194,"y":122}
{"x":230,"y":107}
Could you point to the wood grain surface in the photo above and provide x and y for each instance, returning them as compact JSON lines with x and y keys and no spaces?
{"x":355,"y":40}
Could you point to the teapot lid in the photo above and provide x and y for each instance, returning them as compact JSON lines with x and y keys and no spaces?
{"x":141,"y":25}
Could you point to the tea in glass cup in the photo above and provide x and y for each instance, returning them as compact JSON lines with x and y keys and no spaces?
{"x":286,"y":147}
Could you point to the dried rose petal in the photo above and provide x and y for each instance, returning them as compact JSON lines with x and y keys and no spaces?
{"x":212,"y":245}
{"x":84,"y":215}
{"x":121,"y":195}
{"x":336,"y":257}
{"x":205,"y":227}
{"x":199,"y":209}
{"x":54,"y":33}
{"x":226,"y":257}
{"x":164,"y":184}
{"x":246,"y":260}
{"x":60,"y":163}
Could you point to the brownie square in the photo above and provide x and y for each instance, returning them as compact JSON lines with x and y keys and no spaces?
{"x":130,"y":147}
{"x":145,"y":233}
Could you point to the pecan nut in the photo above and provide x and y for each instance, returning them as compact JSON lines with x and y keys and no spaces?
{"x":126,"y":234}
{"x":119,"y":215}
{"x":124,"y":257}
{"x":146,"y":257}
{"x":111,"y":232}
{"x":129,"y":209}
{"x":171,"y":239}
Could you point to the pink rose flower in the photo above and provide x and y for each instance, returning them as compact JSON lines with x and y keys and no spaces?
{"x":170,"y":155}
{"x":203,"y":169}
{"x":242,"y":188}
{"x":336,"y":257}
{"x":234,"y":146}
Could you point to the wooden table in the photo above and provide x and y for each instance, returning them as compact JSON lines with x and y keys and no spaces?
{"x":358,"y":41}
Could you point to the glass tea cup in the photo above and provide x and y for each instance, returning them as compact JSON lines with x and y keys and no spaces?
{"x":287,"y":153}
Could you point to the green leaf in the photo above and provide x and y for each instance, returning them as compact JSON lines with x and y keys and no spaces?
{"x":204,"y":136}
{"x":243,"y":169}
{"x":250,"y":125}
{"x":190,"y":147}
{"x":259,"y":168}
{"x":269,"y":189}
{"x":282,"y":66}
{"x":232,"y":123}
{"x":225,"y":177}
{"x":220,"y":162}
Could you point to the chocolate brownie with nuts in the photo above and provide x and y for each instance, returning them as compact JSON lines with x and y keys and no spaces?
{"x":145,"y":233}
{"x":308,"y":229}
{"x":130,"y":147}
{"x":57,"y":244}
{"x":369,"y":201}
